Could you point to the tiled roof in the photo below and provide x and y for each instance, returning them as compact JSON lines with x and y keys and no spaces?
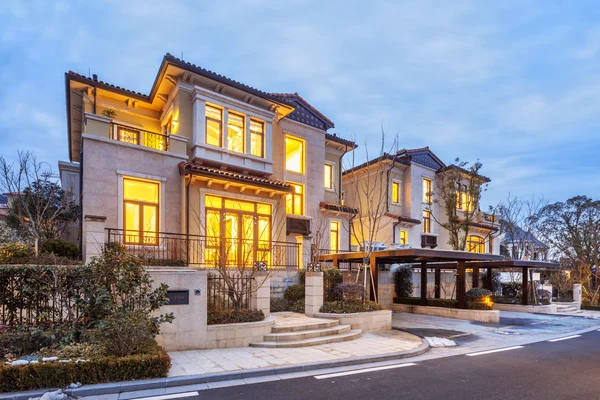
{"x":335,"y":138}
{"x":456,"y":167}
{"x":237,"y":176}
{"x":424,"y":156}
{"x":338,"y":207}
{"x":305,"y":112}
{"x":106,"y":85}
{"x":402,"y":218}
{"x":386,"y":156}
{"x":484,"y":225}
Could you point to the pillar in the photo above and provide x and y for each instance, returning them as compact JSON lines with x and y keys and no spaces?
{"x":261,"y":297}
{"x":93,"y":228}
{"x":374,"y":284}
{"x":460,"y":284}
{"x":313,"y":298}
{"x":475,"y":277}
{"x":577,"y":294}
{"x":424,"y":283}
{"x":438,"y":283}
{"x":490,"y":283}
{"x":525,"y":280}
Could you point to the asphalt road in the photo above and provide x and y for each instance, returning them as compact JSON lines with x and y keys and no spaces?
{"x":566,"y":369}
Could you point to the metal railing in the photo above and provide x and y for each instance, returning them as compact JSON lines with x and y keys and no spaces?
{"x":175,"y":249}
{"x":133,"y":135}
{"x":233,"y":292}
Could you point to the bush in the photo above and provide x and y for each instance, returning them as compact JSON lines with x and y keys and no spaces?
{"x":18,"y":341}
{"x":234,"y":316}
{"x":96,"y":370}
{"x":413,"y":301}
{"x":479,"y":299}
{"x":353,"y":292}
{"x":416,"y":301}
{"x":279,"y":305}
{"x":344,"y":307}
{"x":302,"y":277}
{"x":496,"y":281}
{"x":60,"y":248}
{"x":294,"y":293}
{"x":590,"y":307}
{"x":11,"y":251}
{"x":403,"y":281}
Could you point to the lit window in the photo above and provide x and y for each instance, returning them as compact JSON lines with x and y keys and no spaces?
{"x":427,"y":191}
{"x":128,"y":135}
{"x":140,"y":203}
{"x":214,"y":125}
{"x":294,"y":154}
{"x":257,"y":138}
{"x":294,"y":201}
{"x":475,"y":244}
{"x":427,"y":221}
{"x":396,"y":192}
{"x":403,"y":237}
{"x":464,"y":200}
{"x":328,"y":176}
{"x":235,"y":132}
{"x":334,"y":236}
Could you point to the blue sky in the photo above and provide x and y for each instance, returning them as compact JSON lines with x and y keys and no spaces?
{"x":515,"y":84}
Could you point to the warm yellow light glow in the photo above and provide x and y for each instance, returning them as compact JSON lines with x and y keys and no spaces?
{"x":294,"y":154}
{"x":236,"y":132}
{"x":475,"y":244}
{"x":214,"y":125}
{"x":403,"y":237}
{"x":334,"y":236}
{"x":427,"y":191}
{"x":140,"y":219}
{"x":328,"y":176}
{"x":257,"y":138}
{"x":396,"y":192}
{"x":294,"y":201}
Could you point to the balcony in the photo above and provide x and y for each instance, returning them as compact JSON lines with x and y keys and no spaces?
{"x":174,"y":249}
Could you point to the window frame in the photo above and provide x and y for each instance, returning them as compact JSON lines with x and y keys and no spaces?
{"x":337,"y":235}
{"x":243,"y":118}
{"x":397,"y":184}
{"x":426,"y":221}
{"x":141,"y":205}
{"x":207,"y":118}
{"x":427,"y":195}
{"x":403,"y":236}
{"x":294,"y":195}
{"x":261,"y":134}
{"x":330,"y":165}
{"x":479,"y":244}
{"x":302,"y":156}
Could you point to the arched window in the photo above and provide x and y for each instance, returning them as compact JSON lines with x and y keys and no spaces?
{"x":475,"y":244}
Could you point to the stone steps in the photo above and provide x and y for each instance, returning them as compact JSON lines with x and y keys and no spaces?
{"x":342,"y":337}
{"x":306,"y":334}
{"x":305,"y":326}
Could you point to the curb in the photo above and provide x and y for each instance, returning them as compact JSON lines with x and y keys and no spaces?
{"x":160,"y":383}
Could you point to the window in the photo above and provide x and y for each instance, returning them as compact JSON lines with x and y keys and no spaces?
{"x":214,"y":126}
{"x":426,"y":221}
{"x":294,"y":154}
{"x":257,"y":138}
{"x":140,"y":216}
{"x":334,"y":236}
{"x":396,"y":192}
{"x":427,"y":191}
{"x":294,"y":201}
{"x":128,"y":135}
{"x":235,"y":132}
{"x":464,"y":201}
{"x":475,"y":244}
{"x":328,"y":176}
{"x":403,"y":237}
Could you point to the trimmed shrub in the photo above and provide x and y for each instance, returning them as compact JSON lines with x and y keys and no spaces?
{"x":479,"y":299}
{"x":11,"y":251}
{"x":403,"y":281}
{"x":416,"y":301}
{"x":280,"y":305}
{"x":353,"y":292}
{"x":345,"y":307}
{"x":96,"y":370}
{"x":18,"y":341}
{"x":590,"y":307}
{"x":294,"y":293}
{"x":234,"y":316}
{"x":302,"y":277}
{"x":413,"y":301}
{"x":60,"y":248}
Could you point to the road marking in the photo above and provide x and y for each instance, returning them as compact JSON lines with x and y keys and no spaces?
{"x":493,"y":351}
{"x":565,"y":338}
{"x":170,"y":396}
{"x":362,"y":371}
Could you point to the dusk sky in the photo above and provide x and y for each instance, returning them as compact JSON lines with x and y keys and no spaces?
{"x":515,"y":84}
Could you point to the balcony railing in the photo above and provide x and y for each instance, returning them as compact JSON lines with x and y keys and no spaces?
{"x":174,"y":249}
{"x":133,"y":135}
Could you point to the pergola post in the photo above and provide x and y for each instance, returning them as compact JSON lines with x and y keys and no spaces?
{"x":475,"y":276}
{"x":373,"y":281}
{"x":460,"y":284}
{"x":525,"y":280}
{"x":424,"y":283}
{"x":490,"y":284}
{"x":438,"y":283}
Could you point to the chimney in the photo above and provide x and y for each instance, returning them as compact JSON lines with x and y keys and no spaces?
{"x":95,"y":77}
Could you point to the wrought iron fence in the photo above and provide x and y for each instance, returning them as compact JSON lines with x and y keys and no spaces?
{"x":174,"y":249}
{"x":133,"y":135}
{"x":329,"y":284}
{"x":231,"y":292}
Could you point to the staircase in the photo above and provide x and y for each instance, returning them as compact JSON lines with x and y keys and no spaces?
{"x":567,"y":308}
{"x":296,"y":330}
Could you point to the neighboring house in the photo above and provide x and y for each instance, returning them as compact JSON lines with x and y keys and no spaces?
{"x":521,"y":245}
{"x":205,"y":168}
{"x":411,"y":189}
{"x":3,"y":206}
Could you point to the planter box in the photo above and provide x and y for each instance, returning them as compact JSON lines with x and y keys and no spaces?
{"x":492,"y":316}
{"x":549,"y":309}
{"x":372,"y":321}
{"x":223,"y":336}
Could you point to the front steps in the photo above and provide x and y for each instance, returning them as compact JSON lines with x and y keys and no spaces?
{"x":295,"y":330}
{"x":567,"y":308}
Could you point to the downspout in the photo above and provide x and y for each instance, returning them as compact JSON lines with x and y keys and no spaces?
{"x":394,"y":225}
{"x":340,"y":174}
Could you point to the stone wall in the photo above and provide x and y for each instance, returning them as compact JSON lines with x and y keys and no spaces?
{"x":492,"y":316}
{"x":281,"y":279}
{"x":373,"y":321}
{"x":237,"y":335}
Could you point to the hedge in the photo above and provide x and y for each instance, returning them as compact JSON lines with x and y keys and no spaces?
{"x":97,"y":370}
{"x":349,"y":307}
{"x":280,"y":305}
{"x":234,"y":316}
{"x":416,"y":301}
{"x":590,"y":307}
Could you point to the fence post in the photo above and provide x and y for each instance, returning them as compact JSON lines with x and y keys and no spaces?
{"x":313,"y":299}
{"x":93,"y":228}
{"x":261,"y":297}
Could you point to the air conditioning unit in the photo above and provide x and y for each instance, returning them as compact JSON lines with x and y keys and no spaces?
{"x":429,"y":241}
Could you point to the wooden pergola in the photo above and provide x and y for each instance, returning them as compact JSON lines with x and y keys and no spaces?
{"x":438,"y":260}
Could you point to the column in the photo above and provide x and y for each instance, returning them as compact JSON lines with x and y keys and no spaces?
{"x":261,"y":297}
{"x":198,"y":122}
{"x":225,"y":129}
{"x":93,"y":226}
{"x":373,"y":277}
{"x":313,"y":298}
{"x":577,"y":293}
{"x":475,"y":277}
{"x":525,"y":280}
{"x":438,"y":283}
{"x":248,"y":137}
{"x":424,"y":283}
{"x":460,"y":284}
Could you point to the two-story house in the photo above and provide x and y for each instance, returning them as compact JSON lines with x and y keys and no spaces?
{"x":411,"y":217}
{"x":204,"y":169}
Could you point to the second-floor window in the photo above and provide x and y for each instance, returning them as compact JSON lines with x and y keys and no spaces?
{"x":475,"y":244}
{"x":257,"y":138}
{"x":328,"y":176}
{"x":236,"y":132}
{"x":464,"y":200}
{"x":294,"y":154}
{"x":403,"y":237}
{"x":294,"y":202}
{"x":426,"y":221}
{"x":427,"y":190}
{"x":334,"y":236}
{"x":214,"y":126}
{"x":396,"y":192}
{"x":140,"y":216}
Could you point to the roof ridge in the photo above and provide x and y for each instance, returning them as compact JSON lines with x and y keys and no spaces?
{"x":302,"y":99}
